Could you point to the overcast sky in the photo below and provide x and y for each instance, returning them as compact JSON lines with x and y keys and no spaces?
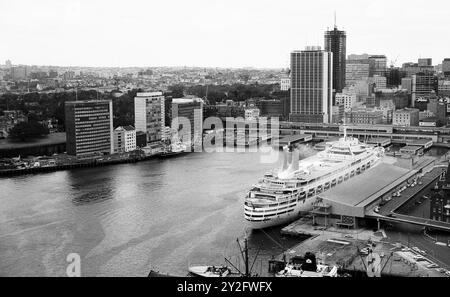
{"x":225,"y":33}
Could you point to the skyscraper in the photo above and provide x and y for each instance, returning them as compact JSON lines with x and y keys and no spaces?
{"x":311,"y":85}
{"x":335,"y":42}
{"x":89,"y":127}
{"x":149,"y":115}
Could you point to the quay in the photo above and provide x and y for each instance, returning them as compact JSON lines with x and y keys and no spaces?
{"x":350,"y":205}
{"x":345,"y":249}
{"x":345,"y":219}
{"x":75,"y":165}
{"x":294,"y":139}
{"x":439,"y":136}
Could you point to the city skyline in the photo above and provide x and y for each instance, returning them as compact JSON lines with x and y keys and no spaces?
{"x":212,"y":33}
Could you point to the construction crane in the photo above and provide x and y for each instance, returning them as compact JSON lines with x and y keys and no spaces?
{"x":393,"y":62}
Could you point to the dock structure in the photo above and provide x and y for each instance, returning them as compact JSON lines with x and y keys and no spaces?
{"x":350,"y":201}
{"x":343,"y":247}
{"x":390,"y":211}
{"x":294,"y":139}
{"x":379,"y":141}
{"x":412,"y":150}
{"x":424,"y":143}
{"x":349,"y":204}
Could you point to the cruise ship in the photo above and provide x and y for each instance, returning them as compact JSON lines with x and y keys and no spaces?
{"x":282,"y":195}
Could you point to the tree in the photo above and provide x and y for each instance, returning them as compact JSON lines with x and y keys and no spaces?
{"x":26,"y":131}
{"x":176,"y":91}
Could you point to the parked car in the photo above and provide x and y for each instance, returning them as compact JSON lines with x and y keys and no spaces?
{"x":432,"y":265}
{"x":421,"y":259}
{"x":377,"y":209}
{"x":364,"y":251}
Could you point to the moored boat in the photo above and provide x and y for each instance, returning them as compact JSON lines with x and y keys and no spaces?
{"x":210,"y":271}
{"x":307,"y":266}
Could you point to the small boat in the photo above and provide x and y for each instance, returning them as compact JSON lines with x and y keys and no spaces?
{"x":307,"y":267}
{"x":175,"y":149}
{"x":210,"y":271}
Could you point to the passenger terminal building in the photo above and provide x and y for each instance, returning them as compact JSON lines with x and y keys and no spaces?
{"x":349,"y":203}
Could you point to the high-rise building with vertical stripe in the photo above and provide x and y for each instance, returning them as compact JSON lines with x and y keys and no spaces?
{"x":311,"y":85}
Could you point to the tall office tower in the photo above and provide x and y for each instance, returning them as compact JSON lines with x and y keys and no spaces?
{"x":190,"y":109}
{"x":149,"y":116}
{"x":378,"y":65}
{"x":89,"y":127}
{"x":311,"y":85}
{"x":335,"y":42}
{"x":446,"y":67}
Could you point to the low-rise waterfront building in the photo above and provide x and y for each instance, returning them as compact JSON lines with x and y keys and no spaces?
{"x":363,"y":115}
{"x":406,"y":117}
{"x":348,"y":100}
{"x":124,"y":139}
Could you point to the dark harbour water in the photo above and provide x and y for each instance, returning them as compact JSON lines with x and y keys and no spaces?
{"x":126,"y":219}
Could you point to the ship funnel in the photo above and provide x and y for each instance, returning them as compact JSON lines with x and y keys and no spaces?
{"x":285,"y":159}
{"x":295,"y":159}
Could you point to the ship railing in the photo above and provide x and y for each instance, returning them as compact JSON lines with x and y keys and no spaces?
{"x":278,"y":198}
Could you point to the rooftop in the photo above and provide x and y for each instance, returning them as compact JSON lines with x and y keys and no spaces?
{"x":126,"y":128}
{"x":88,"y":101}
{"x":149,"y":94}
{"x":186,"y":100}
{"x":363,"y":189}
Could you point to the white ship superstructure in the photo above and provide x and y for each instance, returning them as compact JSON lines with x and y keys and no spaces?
{"x":281,"y":196}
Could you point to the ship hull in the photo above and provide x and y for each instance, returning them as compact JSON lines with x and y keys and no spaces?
{"x":172,"y":154}
{"x":283,"y":218}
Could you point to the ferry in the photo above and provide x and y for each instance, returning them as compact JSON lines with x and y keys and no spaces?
{"x":282,"y":195}
{"x":175,"y":149}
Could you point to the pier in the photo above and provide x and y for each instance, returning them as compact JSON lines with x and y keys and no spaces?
{"x":294,"y":139}
{"x":75,"y":165}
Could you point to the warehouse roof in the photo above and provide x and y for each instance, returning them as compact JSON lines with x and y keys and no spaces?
{"x":363,"y":189}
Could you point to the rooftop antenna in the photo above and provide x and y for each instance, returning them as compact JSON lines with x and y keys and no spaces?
{"x":335,"y":26}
